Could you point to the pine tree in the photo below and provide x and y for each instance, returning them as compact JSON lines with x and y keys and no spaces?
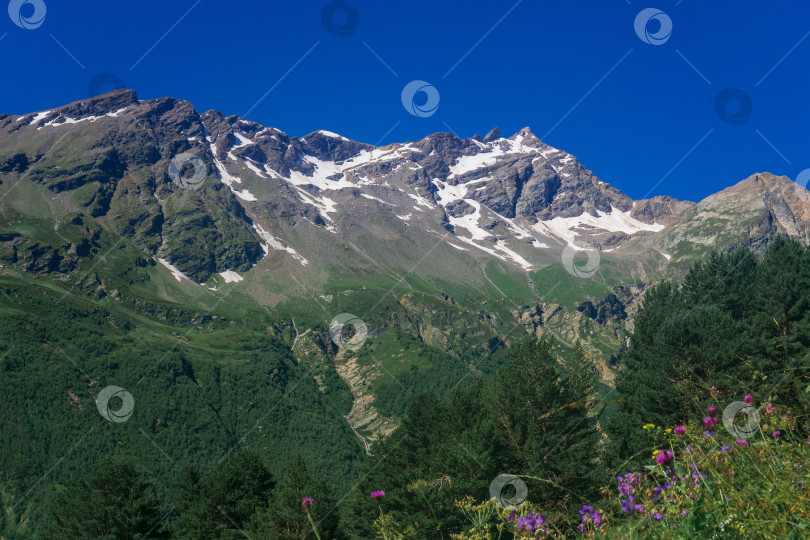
{"x":284,"y":515}
{"x":221,"y":505}
{"x":113,"y":500}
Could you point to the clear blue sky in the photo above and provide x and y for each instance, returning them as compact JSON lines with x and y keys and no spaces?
{"x":531,"y":69}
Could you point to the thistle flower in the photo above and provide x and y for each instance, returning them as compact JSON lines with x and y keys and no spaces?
{"x":713,"y":388}
{"x":306,"y":503}
{"x":749,"y":399}
{"x":680,"y":430}
{"x":709,"y":422}
{"x":377,"y":494}
{"x":776,"y":434}
{"x":664,"y":456}
{"x":713,"y":410}
{"x":741,"y":442}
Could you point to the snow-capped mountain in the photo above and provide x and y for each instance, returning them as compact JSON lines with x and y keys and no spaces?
{"x":322,"y":199}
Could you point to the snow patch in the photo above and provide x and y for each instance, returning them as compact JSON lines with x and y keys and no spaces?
{"x":613,"y":221}
{"x":231,"y":277}
{"x":178,"y":275}
{"x":273,"y":242}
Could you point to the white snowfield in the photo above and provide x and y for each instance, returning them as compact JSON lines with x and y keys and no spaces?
{"x":231,"y":277}
{"x":178,"y":275}
{"x":613,"y":221}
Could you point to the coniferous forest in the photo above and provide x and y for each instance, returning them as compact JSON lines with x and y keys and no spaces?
{"x":541,"y":448}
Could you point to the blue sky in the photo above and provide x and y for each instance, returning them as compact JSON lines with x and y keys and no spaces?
{"x":641,"y":116}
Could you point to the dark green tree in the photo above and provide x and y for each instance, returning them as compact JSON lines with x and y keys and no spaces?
{"x":113,"y":500}
{"x":220,"y":505}
{"x":284,"y":515}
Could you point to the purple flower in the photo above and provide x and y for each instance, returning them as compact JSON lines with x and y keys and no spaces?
{"x":748,"y":399}
{"x":724,"y":449}
{"x":664,"y":456}
{"x":658,"y":517}
{"x":776,"y":434}
{"x":377,"y":494}
{"x":306,"y":503}
{"x":768,"y":408}
{"x":709,"y":422}
{"x":708,"y":433}
{"x":683,"y":513}
{"x":741,"y":442}
{"x":713,"y":410}
{"x":680,"y":430}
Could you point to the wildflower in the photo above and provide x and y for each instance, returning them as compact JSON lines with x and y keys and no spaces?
{"x":648,"y":426}
{"x":724,"y":449}
{"x":749,"y":399}
{"x":668,"y":431}
{"x":741,"y":442}
{"x":377,"y":494}
{"x":768,"y":408}
{"x":708,"y":433}
{"x":680,"y":430}
{"x":714,"y":388}
{"x":708,"y":422}
{"x":713,"y":410}
{"x":683,"y":513}
{"x":306,"y":503}
{"x":512,"y":515}
{"x":664,"y":456}
{"x":776,"y":434}
{"x":658,"y":517}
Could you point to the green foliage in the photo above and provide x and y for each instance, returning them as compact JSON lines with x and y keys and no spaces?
{"x":113,"y":500}
{"x":736,"y":323}
{"x":284,"y":516}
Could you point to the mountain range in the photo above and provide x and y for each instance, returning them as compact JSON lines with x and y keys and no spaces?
{"x":447,"y":245}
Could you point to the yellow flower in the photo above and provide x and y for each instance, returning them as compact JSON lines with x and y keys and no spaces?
{"x":668,"y":431}
{"x":648,"y":426}
{"x":655,"y":453}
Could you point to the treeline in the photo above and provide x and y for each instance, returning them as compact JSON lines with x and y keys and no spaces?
{"x":735,"y":325}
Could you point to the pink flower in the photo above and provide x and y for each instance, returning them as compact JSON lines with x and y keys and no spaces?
{"x":776,"y":434}
{"x":306,"y":502}
{"x":749,"y":399}
{"x":680,"y":430}
{"x":714,"y":388}
{"x":708,"y":422}
{"x":741,"y":442}
{"x":712,"y":410}
{"x":768,"y":408}
{"x":664,"y":456}
{"x":377,"y":494}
